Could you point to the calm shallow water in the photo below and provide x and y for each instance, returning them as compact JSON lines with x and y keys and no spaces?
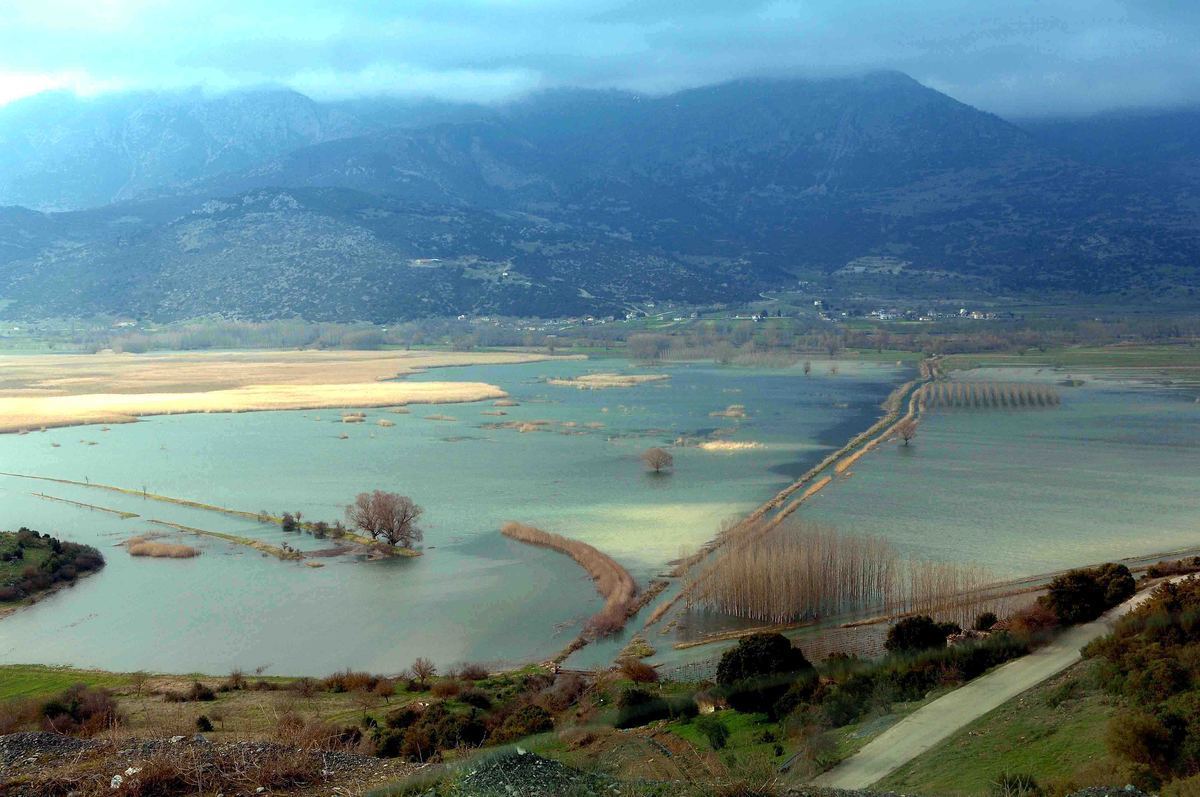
{"x":474,"y":595}
{"x":1113,"y":472}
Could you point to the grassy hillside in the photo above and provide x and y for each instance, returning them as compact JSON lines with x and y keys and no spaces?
{"x":1054,"y":732}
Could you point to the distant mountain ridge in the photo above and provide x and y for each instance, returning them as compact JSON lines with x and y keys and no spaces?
{"x":270,"y":204}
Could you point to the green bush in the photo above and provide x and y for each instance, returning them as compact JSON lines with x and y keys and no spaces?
{"x":637,"y":707}
{"x":525,"y":721}
{"x":1081,"y":596}
{"x":918,"y":633}
{"x":985,"y":621}
{"x":714,"y":730}
{"x":757,"y":672}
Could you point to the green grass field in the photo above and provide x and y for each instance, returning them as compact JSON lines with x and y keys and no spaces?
{"x":745,"y":732}
{"x":34,"y":680}
{"x":1054,"y":733}
{"x":1182,"y":356}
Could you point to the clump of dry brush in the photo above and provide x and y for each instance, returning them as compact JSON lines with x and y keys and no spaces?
{"x":146,"y":545}
{"x":805,"y":571}
{"x":612,"y":580}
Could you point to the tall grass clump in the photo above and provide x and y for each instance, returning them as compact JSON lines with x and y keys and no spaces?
{"x":613,"y":581}
{"x":146,"y":546}
{"x":806,"y":571}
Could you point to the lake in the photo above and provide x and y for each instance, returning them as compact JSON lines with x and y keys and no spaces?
{"x":474,"y":595}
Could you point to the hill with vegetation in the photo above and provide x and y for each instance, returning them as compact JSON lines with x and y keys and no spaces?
{"x":272,"y":205}
{"x":33,"y":563}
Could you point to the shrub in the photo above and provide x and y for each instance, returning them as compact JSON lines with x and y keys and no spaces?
{"x":476,"y":698}
{"x":472,"y":672}
{"x":350,"y":681}
{"x":402,"y":717}
{"x":421,"y":736}
{"x":561,"y":694}
{"x":204,"y":724}
{"x":636,"y":707}
{"x":1142,"y":738}
{"x":1117,"y":583}
{"x":1082,"y":595}
{"x":985,"y":621}
{"x":81,"y":711}
{"x":1010,"y":784}
{"x":235,"y":681}
{"x":446,"y":689}
{"x":525,"y":721}
{"x":197,"y":692}
{"x":758,"y":671}
{"x":1033,"y":620}
{"x":714,"y":730}
{"x":638,"y":671}
{"x":918,"y":633}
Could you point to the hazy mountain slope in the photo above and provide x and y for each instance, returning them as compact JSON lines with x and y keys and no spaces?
{"x":1165,"y":144}
{"x":277,"y":205}
{"x":61,"y":152}
{"x":789,"y":174}
{"x":328,"y":254}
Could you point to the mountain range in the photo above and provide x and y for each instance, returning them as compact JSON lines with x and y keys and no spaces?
{"x":268,"y":204}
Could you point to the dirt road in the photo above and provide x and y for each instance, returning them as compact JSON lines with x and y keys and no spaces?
{"x":931,"y":724}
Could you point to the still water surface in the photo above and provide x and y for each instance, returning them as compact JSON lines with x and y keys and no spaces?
{"x":474,"y":595}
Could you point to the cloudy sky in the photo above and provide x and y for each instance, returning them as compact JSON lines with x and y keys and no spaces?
{"x":1013,"y":57}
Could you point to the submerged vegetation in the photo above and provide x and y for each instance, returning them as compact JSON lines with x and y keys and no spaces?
{"x":613,"y":581}
{"x":806,"y":571}
{"x":987,"y":395}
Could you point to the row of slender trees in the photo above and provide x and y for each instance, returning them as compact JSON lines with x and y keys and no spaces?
{"x":804,"y":570}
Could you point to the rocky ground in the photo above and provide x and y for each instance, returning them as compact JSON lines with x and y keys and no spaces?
{"x":51,"y":765}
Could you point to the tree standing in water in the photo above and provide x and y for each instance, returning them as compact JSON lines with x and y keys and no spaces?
{"x":906,"y":430}
{"x":388,"y":516}
{"x":657,"y":459}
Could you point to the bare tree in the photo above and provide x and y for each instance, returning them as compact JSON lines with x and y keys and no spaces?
{"x":138,"y":681}
{"x":657,"y":459}
{"x":648,"y":347}
{"x":423,"y":670}
{"x":907,"y":429}
{"x":388,"y":516}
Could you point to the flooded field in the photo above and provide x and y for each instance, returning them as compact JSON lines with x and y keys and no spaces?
{"x":560,"y":456}
{"x":1112,"y":471}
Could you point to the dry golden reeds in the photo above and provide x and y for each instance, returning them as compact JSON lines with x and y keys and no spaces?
{"x":612,"y":580}
{"x":147,"y":546}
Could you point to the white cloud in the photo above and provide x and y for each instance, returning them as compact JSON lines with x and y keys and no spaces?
{"x":15,"y":85}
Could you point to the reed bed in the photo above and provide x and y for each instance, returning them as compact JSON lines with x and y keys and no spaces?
{"x":258,"y":545}
{"x":613,"y":581}
{"x":809,"y":571}
{"x":987,"y":395}
{"x":146,"y":545}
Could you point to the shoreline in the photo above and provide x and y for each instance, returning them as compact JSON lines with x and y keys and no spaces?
{"x":53,"y":391}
